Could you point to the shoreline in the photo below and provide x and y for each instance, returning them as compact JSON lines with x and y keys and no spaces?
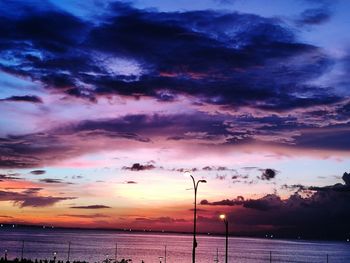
{"x":264,"y":236}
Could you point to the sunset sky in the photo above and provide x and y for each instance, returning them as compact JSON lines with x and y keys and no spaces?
{"x":105,"y":104}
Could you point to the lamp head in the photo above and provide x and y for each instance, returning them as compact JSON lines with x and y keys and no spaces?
{"x":222,"y":216}
{"x":203,"y":181}
{"x":187,"y":173}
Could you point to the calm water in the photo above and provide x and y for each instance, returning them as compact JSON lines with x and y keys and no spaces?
{"x":93,"y":246}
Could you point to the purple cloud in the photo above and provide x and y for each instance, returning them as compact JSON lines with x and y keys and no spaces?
{"x":139,"y":167}
{"x":27,"y":98}
{"x":38,"y":172}
{"x":90,"y":207}
{"x":31,"y":198}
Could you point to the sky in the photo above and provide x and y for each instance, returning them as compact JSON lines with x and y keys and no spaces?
{"x":106,"y":104}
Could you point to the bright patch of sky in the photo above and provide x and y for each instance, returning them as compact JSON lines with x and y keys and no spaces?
{"x":119,"y":66}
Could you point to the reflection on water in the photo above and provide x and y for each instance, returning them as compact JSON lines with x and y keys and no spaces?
{"x":96,"y":246}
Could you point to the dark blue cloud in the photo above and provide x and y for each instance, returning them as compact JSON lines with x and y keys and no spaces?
{"x":321,"y":213}
{"x":314,"y":16}
{"x":226,"y":59}
{"x":27,"y":98}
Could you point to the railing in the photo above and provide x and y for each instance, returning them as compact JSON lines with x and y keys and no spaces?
{"x":54,"y":251}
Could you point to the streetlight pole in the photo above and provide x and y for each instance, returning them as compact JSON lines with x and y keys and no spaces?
{"x":195,"y":187}
{"x":22,"y":250}
{"x":68,"y":252}
{"x":223,"y":217}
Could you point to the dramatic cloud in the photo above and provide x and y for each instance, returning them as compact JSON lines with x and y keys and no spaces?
{"x":237,"y":201}
{"x":139,"y":167}
{"x":215,"y":168}
{"x":257,"y":65}
{"x":38,"y":172}
{"x":329,"y":188}
{"x":85,"y":60}
{"x":314,"y":17}
{"x":295,"y":187}
{"x":37,"y":149}
{"x":33,"y":99}
{"x":330,"y":205}
{"x":265,"y":203}
{"x":268,"y":174}
{"x":335,"y":188}
{"x":4,"y":177}
{"x":67,"y":141}
{"x":51,"y":181}
{"x":346,"y":179}
{"x":30,"y":198}
{"x":204,"y":91}
{"x":91,"y":207}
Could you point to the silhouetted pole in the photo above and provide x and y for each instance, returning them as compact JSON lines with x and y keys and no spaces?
{"x":223,"y":217}
{"x":22,"y":249}
{"x":6,"y":254}
{"x":217,"y":256}
{"x":68,"y":252}
{"x":226,"y":249}
{"x":270,"y":256}
{"x":116,"y":252}
{"x":165,"y":254}
{"x":195,"y":186}
{"x":327,"y":258}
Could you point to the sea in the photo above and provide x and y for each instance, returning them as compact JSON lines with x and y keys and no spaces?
{"x":106,"y":246}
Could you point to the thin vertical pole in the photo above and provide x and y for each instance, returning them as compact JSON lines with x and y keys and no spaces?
{"x":22,"y":251}
{"x":226,"y":251}
{"x":116,"y":252}
{"x":68,"y":252}
{"x":217,"y":256}
{"x":194,"y":245}
{"x":270,"y":256}
{"x":165,"y":254}
{"x":327,"y":258}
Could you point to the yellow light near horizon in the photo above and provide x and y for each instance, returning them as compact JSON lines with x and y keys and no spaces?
{"x":222,"y":216}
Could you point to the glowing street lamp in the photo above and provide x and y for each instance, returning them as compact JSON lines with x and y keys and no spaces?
{"x":54,"y":256}
{"x":224,"y":219}
{"x":195,"y":187}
